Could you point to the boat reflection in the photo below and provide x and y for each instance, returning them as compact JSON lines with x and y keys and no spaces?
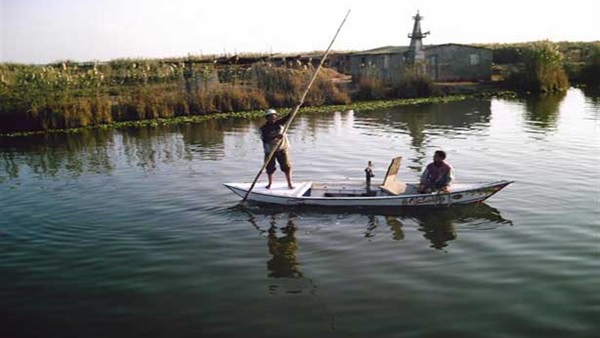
{"x":279,"y":225}
{"x":439,"y":226}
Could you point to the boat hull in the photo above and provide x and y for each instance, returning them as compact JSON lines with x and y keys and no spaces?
{"x":356,"y":195}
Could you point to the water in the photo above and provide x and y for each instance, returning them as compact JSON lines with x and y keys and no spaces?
{"x":129,"y":233}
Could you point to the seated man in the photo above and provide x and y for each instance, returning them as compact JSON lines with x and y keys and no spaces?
{"x":438,"y":175}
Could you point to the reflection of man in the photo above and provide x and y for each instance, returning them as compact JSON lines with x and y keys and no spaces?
{"x":284,"y":263}
{"x":440,"y":236}
{"x":438,"y":228}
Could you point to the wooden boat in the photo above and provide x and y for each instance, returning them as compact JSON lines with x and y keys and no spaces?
{"x":392,"y":193}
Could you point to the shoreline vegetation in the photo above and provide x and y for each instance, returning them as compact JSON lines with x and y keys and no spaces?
{"x":66,"y":97}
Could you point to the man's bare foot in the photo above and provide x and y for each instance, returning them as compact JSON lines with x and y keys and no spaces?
{"x":268,"y":186}
{"x":291,"y":186}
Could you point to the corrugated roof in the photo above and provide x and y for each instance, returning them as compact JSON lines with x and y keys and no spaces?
{"x":383,"y":50}
{"x":454,"y":44}
{"x":402,"y":49}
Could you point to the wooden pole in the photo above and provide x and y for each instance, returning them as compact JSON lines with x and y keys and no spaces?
{"x":296,"y":108}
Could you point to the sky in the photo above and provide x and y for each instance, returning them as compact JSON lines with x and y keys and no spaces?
{"x":44,"y":31}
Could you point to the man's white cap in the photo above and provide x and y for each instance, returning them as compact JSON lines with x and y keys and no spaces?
{"x":270,"y":112}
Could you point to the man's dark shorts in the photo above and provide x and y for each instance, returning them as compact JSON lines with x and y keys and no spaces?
{"x":283,"y":158}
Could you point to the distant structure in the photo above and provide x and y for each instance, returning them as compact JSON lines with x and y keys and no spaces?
{"x":415,"y":52}
{"x":440,"y":63}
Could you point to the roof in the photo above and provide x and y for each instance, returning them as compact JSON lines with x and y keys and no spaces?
{"x":402,"y":49}
{"x":454,"y":44}
{"x":383,"y":50}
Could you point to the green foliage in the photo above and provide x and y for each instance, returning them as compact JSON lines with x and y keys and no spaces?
{"x":70,"y":95}
{"x":413,"y":84}
{"x":370,"y":87}
{"x":59,"y":96}
{"x":579,"y":59}
{"x":590,"y":72}
{"x":543,"y":69}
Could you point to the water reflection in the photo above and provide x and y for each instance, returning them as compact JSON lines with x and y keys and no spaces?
{"x":542,"y":112}
{"x":592,"y":93}
{"x":149,"y":147}
{"x":283,"y":247}
{"x":438,"y":225}
{"x":392,"y":222}
{"x":281,"y":242}
{"x":444,"y":117}
{"x":452,"y":119}
{"x":48,"y":155}
{"x":438,"y":228}
{"x":207,"y":140}
{"x":100,"y":151}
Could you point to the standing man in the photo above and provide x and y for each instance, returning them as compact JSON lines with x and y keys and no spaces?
{"x":438,"y":175}
{"x":271,"y":133}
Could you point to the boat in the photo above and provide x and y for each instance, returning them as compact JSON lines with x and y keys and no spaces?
{"x":359,"y":193}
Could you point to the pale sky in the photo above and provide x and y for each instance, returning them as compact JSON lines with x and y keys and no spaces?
{"x":43,"y":31}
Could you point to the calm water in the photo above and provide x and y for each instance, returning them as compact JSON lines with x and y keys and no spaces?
{"x":129,"y":233}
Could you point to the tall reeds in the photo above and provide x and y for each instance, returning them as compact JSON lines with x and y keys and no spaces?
{"x":408,"y":82}
{"x":67,"y":95}
{"x":543,"y":70}
{"x":414,"y":83}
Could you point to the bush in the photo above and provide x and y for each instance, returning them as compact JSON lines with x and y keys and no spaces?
{"x":590,"y":72}
{"x":370,"y":88}
{"x":413,"y":84}
{"x":543,"y":70}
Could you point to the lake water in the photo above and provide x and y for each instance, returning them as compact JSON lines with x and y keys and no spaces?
{"x":129,"y":233}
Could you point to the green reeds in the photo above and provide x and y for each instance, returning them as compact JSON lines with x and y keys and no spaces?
{"x":68,"y":95}
{"x":543,"y":70}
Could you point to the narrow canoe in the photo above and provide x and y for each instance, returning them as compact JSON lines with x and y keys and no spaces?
{"x":356,"y":194}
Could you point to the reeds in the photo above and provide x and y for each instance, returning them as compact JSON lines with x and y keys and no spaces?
{"x":68,"y":95}
{"x":543,"y":70}
{"x":411,"y":82}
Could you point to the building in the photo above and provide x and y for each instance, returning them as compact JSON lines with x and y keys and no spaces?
{"x":454,"y":62}
{"x":447,"y":62}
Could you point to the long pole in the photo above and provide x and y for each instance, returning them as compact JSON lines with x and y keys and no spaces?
{"x":296,"y":108}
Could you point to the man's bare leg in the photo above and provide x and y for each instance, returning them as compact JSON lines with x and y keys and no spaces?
{"x":288,"y":177}
{"x":270,"y":176}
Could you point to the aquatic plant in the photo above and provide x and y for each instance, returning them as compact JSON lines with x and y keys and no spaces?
{"x":543,"y":70}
